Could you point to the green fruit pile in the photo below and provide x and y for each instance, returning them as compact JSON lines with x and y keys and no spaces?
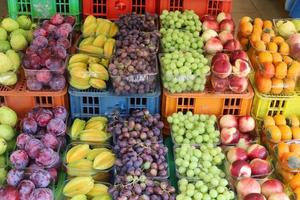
{"x":194,"y":129}
{"x":15,"y":35}
{"x":8,"y":121}
{"x":184,"y":71}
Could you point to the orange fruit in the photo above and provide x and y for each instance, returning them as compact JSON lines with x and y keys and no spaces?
{"x":259,"y":45}
{"x":268,"y":70}
{"x":276,"y":57}
{"x":273,"y":134}
{"x":282,"y":148}
{"x":281,"y":70}
{"x":246,"y":29}
{"x":289,"y":85}
{"x":278,"y":40}
{"x":245,"y":19}
{"x":269,"y":121}
{"x":266,"y":37}
{"x":257,"y":30}
{"x":277,"y":86}
{"x":264,"y":85}
{"x":279,"y":120}
{"x":295,"y":148}
{"x":296,"y":133}
{"x":295,"y":181}
{"x":284,"y":48}
{"x":254,"y":37}
{"x":292,"y":121}
{"x":272,"y":46}
{"x":287,"y":59}
{"x":244,"y":43}
{"x":267,"y":24}
{"x":286,"y":132}
{"x":293,"y":70}
{"x":265,"y":57}
{"x":258,"y":22}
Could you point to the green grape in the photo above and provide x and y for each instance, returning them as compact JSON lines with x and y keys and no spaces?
{"x":206,"y":197}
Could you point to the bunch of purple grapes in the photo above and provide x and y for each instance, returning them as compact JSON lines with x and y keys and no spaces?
{"x":140,"y":127}
{"x":135,"y":39}
{"x":133,"y":21}
{"x":142,"y":159}
{"x":141,"y":187}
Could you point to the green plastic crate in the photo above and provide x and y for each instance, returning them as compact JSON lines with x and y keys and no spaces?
{"x":44,"y":9}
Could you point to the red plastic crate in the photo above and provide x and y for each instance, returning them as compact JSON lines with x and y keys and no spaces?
{"x":201,"y":7}
{"x":113,"y":9}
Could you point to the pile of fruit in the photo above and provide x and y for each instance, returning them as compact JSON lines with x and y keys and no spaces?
{"x":15,"y":35}
{"x":92,"y":130}
{"x":87,"y":71}
{"x":193,"y":129}
{"x":144,"y":23}
{"x":97,"y":37}
{"x":133,"y":68}
{"x":218,"y":33}
{"x":230,"y":71}
{"x":44,"y":60}
{"x":83,"y":159}
{"x":287,"y":27}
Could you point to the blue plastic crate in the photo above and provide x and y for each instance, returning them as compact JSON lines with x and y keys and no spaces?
{"x":91,"y":102}
{"x":295,"y":9}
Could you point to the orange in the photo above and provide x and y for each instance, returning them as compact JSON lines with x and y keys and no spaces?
{"x":257,"y":30}
{"x":264,"y":85}
{"x":266,"y":37}
{"x":295,"y":148}
{"x":296,"y":133}
{"x":244,"y":43}
{"x":272,"y":46}
{"x":293,"y":121}
{"x":268,"y":70}
{"x":290,"y":160}
{"x":279,"y":120}
{"x":259,"y":45}
{"x":246,"y":29}
{"x":281,"y":70}
{"x":282,"y":148}
{"x":268,"y":121}
{"x":273,"y":134}
{"x":254,"y":37}
{"x":284,"y":48}
{"x":289,"y":85}
{"x":278,"y":40}
{"x":286,"y":132}
{"x":276,"y":57}
{"x":277,"y":86}
{"x":258,"y":22}
{"x":245,"y":19}
{"x":295,"y":181}
{"x":265,"y":57}
{"x":287,"y":59}
{"x":267,"y":24}
{"x":293,"y":70}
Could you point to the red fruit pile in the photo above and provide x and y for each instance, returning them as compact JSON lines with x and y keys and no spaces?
{"x":44,"y":60}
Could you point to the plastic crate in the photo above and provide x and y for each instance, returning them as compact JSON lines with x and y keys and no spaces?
{"x":87,"y":103}
{"x":37,"y":9}
{"x":295,"y":9}
{"x":22,"y":101}
{"x":113,"y":9}
{"x":201,"y":7}
{"x":206,"y":103}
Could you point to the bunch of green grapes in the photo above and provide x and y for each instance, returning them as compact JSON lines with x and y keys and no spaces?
{"x":176,"y":39}
{"x":187,"y":20}
{"x":193,"y":128}
{"x":184,"y":71}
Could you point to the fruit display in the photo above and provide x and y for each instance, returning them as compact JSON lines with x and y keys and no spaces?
{"x":84,"y":187}
{"x":276,"y":74}
{"x":15,"y":35}
{"x":139,"y":127}
{"x":238,"y":131}
{"x":136,"y":187}
{"x":142,"y":159}
{"x":184,"y":71}
{"x":287,"y":154}
{"x":83,"y":159}
{"x":287,"y":27}
{"x":214,"y":188}
{"x":92,"y":130}
{"x":230,"y":71}
{"x":87,"y":71}
{"x":195,"y":163}
{"x":218,"y":33}
{"x":44,"y":61}
{"x":193,"y":129}
{"x":97,"y":37}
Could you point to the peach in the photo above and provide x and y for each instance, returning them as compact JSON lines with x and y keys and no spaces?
{"x":240,"y":168}
{"x":221,"y":68}
{"x":225,"y":36}
{"x":246,"y":124}
{"x":241,"y":68}
{"x":236,"y":153}
{"x":279,"y":196}
{"x":247,"y":186}
{"x":271,"y":186}
{"x":228,"y":121}
{"x":238,"y":84}
{"x":257,"y":151}
{"x":230,"y":136}
{"x":255,"y":196}
{"x":260,"y":167}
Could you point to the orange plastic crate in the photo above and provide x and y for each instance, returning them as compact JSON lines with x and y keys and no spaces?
{"x":201,"y":7}
{"x":206,"y":103}
{"x":22,"y":101}
{"x":113,"y":9}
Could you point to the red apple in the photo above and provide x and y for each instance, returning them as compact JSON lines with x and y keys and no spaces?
{"x":230,"y":136}
{"x":228,"y":121}
{"x":227,"y":25}
{"x":240,"y":168}
{"x":247,"y":186}
{"x":213,"y":45}
{"x":257,"y":151}
{"x":225,"y":36}
{"x":279,"y":196}
{"x":10,"y":193}
{"x":238,"y":54}
{"x":210,"y":24}
{"x":254,"y":196}
{"x":271,"y":186}
{"x":219,"y":84}
{"x":232,"y":45}
{"x":238,"y":84}
{"x":218,"y":56}
{"x":246,"y":124}
{"x":236,"y":153}
{"x":222,"y":15}
{"x":208,"y":34}
{"x":241,"y":68}
{"x":221,"y":68}
{"x":260,"y":167}
{"x":207,"y":18}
